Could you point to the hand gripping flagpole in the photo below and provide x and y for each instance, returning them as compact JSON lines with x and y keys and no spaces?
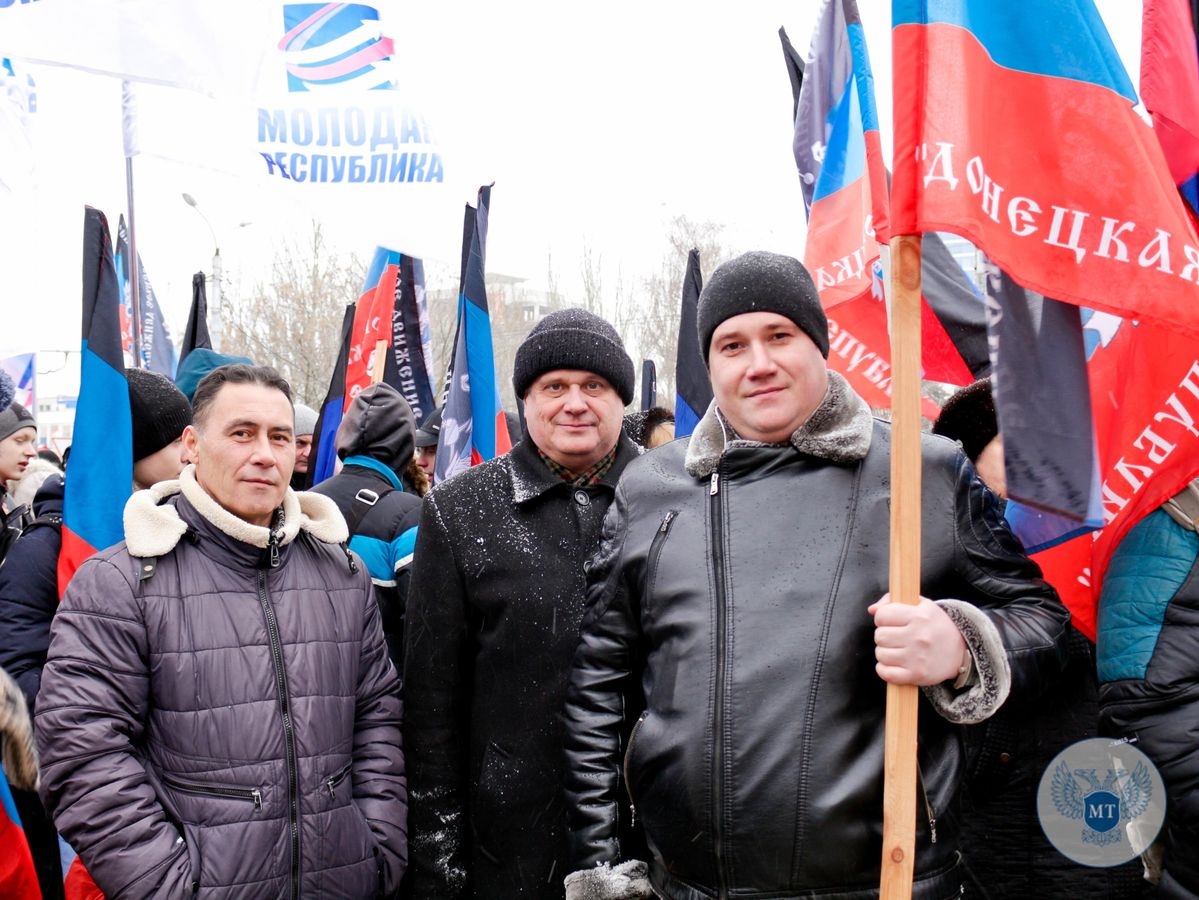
{"x":899,"y":762}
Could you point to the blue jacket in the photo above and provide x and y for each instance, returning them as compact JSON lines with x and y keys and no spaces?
{"x":1148,"y":659}
{"x":29,"y":592}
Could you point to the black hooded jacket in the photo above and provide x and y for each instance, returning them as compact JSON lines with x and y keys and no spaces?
{"x":29,"y":592}
{"x":376,"y":443}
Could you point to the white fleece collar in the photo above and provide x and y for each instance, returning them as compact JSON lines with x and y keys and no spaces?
{"x":153,"y":528}
{"x":839,"y":430}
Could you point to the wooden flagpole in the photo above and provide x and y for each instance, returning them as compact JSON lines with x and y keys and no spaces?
{"x":899,"y":765}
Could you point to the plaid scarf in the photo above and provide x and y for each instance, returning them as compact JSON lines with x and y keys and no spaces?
{"x":584,"y":479}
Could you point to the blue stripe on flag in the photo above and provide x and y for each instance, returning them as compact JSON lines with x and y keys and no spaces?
{"x":1062,"y":39}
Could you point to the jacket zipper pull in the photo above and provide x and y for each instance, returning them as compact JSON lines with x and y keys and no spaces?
{"x":715,"y":484}
{"x":273,"y":543}
{"x":632,"y":815}
{"x":329,"y":785}
{"x":665,"y":527}
{"x":257,"y":795}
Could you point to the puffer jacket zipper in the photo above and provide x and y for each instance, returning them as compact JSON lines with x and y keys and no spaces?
{"x":721,"y":665}
{"x":215,"y":790}
{"x":334,"y":780}
{"x":289,"y":738}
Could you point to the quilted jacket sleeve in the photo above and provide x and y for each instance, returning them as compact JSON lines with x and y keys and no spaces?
{"x":91,"y":713}
{"x":379,"y":786}
{"x":437,"y":677}
{"x":1148,"y":674}
{"x":594,"y":712}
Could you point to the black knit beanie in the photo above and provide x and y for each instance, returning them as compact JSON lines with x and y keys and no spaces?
{"x":759,"y":281}
{"x":969,"y":416}
{"x":574,"y":339}
{"x":160,"y":411}
{"x":14,"y":417}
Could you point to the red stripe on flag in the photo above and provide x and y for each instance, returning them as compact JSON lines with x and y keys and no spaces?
{"x":839,"y":252}
{"x":70,"y":557}
{"x":1170,"y":83}
{"x":503,"y":441}
{"x":860,"y":349}
{"x":18,"y":877}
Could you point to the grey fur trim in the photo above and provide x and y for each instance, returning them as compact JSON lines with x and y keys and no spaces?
{"x":17,"y":752}
{"x":153,"y":528}
{"x":839,"y":430}
{"x":991,"y":682}
{"x":626,"y":881}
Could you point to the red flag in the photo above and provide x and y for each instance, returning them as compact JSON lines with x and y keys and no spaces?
{"x":372,"y":325}
{"x":860,"y":349}
{"x":1144,"y":383}
{"x":1170,"y":83}
{"x":18,"y":878}
{"x":1015,"y":127}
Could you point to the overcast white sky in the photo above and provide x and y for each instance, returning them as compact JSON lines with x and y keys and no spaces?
{"x":598,"y":124}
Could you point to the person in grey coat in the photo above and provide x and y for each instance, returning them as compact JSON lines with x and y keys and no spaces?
{"x":218,"y":716}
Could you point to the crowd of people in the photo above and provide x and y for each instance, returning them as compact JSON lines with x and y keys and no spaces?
{"x":604,"y":665}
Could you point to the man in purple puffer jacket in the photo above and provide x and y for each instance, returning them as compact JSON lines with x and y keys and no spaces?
{"x":218,"y":716}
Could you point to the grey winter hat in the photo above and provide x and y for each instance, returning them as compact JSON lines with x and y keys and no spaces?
{"x":305,"y":419}
{"x":760,"y":281}
{"x":159,"y":409}
{"x":574,"y":339}
{"x":13,"y":418}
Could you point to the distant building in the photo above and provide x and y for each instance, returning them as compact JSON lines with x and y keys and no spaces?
{"x":515,"y":306}
{"x":56,"y":421}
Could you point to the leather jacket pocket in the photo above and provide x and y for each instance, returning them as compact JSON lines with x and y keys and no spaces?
{"x":655,"y":551}
{"x":628,"y":758}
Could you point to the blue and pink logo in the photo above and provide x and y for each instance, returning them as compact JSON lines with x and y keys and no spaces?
{"x":334,"y":45}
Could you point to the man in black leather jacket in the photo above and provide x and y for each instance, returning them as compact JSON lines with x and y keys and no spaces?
{"x":742,"y":581}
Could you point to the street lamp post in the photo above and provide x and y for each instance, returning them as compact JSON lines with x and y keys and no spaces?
{"x":214,"y":324}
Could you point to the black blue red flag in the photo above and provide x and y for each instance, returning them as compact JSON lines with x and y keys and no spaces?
{"x":387,"y":343}
{"x":844,"y":183}
{"x":649,"y":384}
{"x":323,"y":454}
{"x":102,"y":447}
{"x":473,"y":427}
{"x":18,"y":877}
{"x":155,"y":349}
{"x":1043,"y":405}
{"x":693,"y":389}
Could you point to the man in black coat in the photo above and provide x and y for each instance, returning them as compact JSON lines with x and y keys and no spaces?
{"x":742,"y":583}
{"x":494,"y":613}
